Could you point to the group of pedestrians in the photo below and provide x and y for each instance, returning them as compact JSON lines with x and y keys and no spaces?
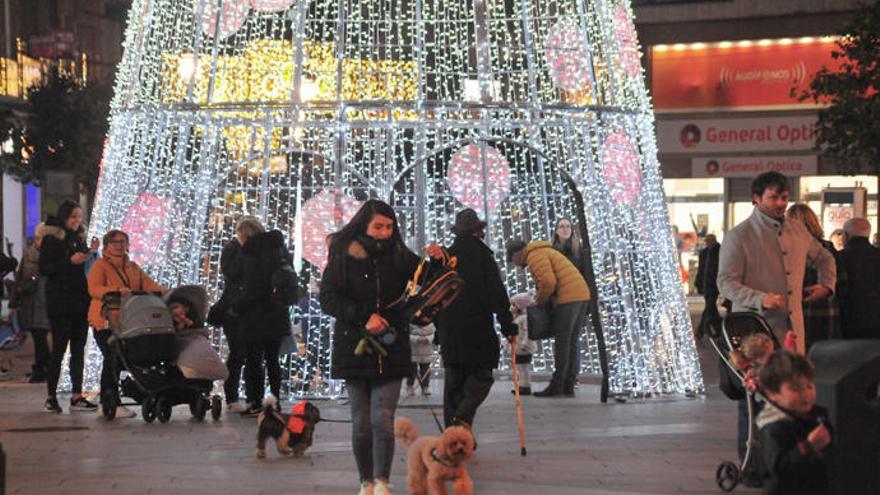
{"x":777,"y":264}
{"x":367,"y":271}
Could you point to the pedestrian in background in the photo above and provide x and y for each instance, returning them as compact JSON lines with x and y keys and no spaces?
{"x":560,"y":284}
{"x":421,"y":341}
{"x":859,"y":283}
{"x":707,"y":284}
{"x":62,"y":256}
{"x":821,"y":317}
{"x":28,"y":300}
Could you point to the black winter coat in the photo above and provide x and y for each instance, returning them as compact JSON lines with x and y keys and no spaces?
{"x":67,"y":291}
{"x":858,"y":289}
{"x":793,"y":469}
{"x":707,"y":271}
{"x":466,"y":329}
{"x":261,"y":317}
{"x":370,"y":278}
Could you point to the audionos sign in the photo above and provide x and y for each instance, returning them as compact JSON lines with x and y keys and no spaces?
{"x":750,"y":166}
{"x":795,"y":133}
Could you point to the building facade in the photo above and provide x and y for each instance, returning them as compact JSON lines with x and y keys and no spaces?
{"x":724,"y":78}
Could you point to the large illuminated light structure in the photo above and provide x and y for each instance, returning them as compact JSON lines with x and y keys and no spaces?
{"x":296,"y":111}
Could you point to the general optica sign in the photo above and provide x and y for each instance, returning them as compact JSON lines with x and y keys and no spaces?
{"x":759,"y":74}
{"x":796,"y":133}
{"x":750,"y":166}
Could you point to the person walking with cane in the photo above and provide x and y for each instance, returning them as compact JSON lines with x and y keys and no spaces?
{"x":469,"y":345}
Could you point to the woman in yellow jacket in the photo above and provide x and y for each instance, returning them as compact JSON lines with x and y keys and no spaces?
{"x":113,"y":272}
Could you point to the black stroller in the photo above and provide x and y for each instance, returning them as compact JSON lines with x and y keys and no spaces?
{"x":144,"y":344}
{"x":734,"y":328}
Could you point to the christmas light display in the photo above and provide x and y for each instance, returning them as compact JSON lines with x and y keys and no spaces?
{"x":296,"y":111}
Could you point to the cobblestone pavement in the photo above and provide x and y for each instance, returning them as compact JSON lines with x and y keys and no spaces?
{"x":666,"y":445}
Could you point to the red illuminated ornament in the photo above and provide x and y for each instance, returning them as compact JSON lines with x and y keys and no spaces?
{"x":567,"y":56}
{"x":465,"y":176}
{"x":321,"y":215}
{"x":148,"y":224}
{"x":232,"y":16}
{"x":627,"y":43}
{"x":271,"y":5}
{"x":620,"y":161}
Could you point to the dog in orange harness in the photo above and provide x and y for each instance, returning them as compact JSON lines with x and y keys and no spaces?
{"x":292,"y":432}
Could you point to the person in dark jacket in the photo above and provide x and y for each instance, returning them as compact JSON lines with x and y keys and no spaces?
{"x":264,"y":320}
{"x":367,"y":271}
{"x":67,"y":300}
{"x":28,"y":300}
{"x":231,"y":267}
{"x":707,"y":283}
{"x":466,"y":329}
{"x":792,"y":433}
{"x":859,"y":284}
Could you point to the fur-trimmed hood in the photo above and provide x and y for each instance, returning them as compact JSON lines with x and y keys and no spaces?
{"x":53,"y":231}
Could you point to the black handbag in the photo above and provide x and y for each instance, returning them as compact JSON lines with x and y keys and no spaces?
{"x":540,"y":322}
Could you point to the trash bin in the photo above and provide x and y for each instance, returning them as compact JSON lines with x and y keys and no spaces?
{"x":848,"y":384}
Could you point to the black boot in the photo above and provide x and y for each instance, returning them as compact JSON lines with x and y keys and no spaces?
{"x":38,"y":374}
{"x":552,"y":390}
{"x":568,"y":388}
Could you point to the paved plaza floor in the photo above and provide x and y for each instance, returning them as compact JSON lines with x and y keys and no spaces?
{"x":666,"y":445}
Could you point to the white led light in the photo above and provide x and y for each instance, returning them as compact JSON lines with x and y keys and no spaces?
{"x":222,"y":110}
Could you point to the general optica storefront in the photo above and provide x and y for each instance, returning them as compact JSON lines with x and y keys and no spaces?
{"x":726,"y":113}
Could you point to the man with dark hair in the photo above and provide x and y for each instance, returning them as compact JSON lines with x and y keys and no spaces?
{"x":466,"y":329}
{"x":763,"y":260}
{"x":859,"y":283}
{"x":762,"y":265}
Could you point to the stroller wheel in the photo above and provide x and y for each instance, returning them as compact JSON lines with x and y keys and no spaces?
{"x":198,"y":407}
{"x":216,"y":408}
{"x":148,"y":409}
{"x":163,"y":409}
{"x":727,"y":476}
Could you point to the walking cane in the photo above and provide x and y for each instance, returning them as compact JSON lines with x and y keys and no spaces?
{"x":519,"y":419}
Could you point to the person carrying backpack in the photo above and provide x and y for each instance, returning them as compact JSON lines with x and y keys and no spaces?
{"x":267,"y":281}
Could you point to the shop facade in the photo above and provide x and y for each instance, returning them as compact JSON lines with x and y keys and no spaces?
{"x":730,"y":110}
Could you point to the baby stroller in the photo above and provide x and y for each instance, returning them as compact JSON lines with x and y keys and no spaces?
{"x":734,"y":328}
{"x":144,"y":343}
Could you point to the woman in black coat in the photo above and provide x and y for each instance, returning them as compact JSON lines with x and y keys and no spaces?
{"x":367,"y":271}
{"x":67,"y":302}
{"x":264,"y":321}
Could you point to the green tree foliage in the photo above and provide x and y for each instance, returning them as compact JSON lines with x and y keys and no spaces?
{"x":848,"y":129}
{"x":61,"y":127}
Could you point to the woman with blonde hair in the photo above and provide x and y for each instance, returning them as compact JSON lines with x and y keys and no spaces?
{"x":822,"y":317}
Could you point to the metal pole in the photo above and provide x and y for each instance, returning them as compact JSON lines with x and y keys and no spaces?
{"x":8,"y":27}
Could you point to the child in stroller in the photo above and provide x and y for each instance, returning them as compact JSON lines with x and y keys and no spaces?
{"x":146,"y":344}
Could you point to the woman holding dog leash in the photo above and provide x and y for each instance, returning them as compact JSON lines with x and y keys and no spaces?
{"x":367,"y":271}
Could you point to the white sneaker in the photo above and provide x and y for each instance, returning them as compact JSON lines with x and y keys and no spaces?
{"x":410,"y":391}
{"x":124,"y":412}
{"x":382,"y":488}
{"x":366,"y":488}
{"x":237,"y":407}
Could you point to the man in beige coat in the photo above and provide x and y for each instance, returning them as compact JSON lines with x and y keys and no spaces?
{"x":763,"y":260}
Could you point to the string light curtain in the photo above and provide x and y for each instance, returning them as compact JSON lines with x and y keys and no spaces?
{"x":297,"y":111}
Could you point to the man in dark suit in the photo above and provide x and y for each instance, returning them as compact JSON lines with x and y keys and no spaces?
{"x":858,"y":287}
{"x":707,"y":283}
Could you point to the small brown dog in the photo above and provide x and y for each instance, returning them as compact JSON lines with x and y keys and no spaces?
{"x":293,"y":432}
{"x":432,"y":461}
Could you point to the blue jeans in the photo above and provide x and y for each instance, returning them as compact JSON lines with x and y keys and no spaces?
{"x":373,"y":402}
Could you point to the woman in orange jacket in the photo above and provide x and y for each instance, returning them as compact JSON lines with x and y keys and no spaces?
{"x":113,"y":272}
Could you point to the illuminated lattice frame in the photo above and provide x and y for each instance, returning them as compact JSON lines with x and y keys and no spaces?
{"x":259,"y":110}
